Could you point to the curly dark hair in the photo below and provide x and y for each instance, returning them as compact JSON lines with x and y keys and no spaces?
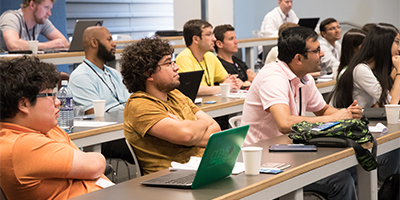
{"x":21,"y":78}
{"x":140,"y":60}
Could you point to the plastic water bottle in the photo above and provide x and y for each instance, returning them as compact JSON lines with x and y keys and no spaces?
{"x":66,"y":114}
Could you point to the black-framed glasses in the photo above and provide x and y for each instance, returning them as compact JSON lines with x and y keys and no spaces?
{"x":54,"y":95}
{"x":316,"y":51}
{"x":171,"y":64}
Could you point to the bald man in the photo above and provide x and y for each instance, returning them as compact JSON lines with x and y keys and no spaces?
{"x":93,"y":79}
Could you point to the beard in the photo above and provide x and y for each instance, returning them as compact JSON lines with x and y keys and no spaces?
{"x":37,"y":19}
{"x":105,"y":55}
{"x":167,"y":87}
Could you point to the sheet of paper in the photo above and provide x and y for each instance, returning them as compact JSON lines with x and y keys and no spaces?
{"x":194,"y":163}
{"x":378,"y":128}
{"x":87,"y":123}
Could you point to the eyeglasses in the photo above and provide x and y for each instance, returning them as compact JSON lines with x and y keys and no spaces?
{"x":209,"y":34}
{"x":316,"y":51}
{"x":54,"y":95}
{"x":333,"y":28}
{"x":171,"y":64}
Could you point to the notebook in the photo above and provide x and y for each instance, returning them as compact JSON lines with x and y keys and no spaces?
{"x":217,"y":162}
{"x":309,"y":22}
{"x":76,"y":43}
{"x":190,"y":83}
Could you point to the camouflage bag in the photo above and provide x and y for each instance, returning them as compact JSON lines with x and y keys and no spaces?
{"x":347,"y":133}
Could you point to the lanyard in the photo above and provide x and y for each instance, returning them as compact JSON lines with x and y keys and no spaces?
{"x":299,"y":97}
{"x":206,"y":75}
{"x":33,"y":32}
{"x":115,"y":89}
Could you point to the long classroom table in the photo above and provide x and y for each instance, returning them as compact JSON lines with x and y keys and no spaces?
{"x":176,"y":42}
{"x":93,"y":137}
{"x":306,"y":168}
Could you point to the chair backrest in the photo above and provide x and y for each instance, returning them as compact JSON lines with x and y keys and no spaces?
{"x":235,"y":121}
{"x":138,"y":172}
{"x":2,"y":195}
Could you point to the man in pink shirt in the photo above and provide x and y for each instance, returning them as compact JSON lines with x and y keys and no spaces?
{"x":272,"y":105}
{"x":282,"y":92}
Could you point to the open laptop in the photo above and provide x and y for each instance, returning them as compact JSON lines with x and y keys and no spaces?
{"x":190,"y":83}
{"x":217,"y":162}
{"x":76,"y":43}
{"x":309,"y":22}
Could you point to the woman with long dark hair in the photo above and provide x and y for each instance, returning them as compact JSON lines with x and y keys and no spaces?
{"x":351,"y":43}
{"x":372,"y":77}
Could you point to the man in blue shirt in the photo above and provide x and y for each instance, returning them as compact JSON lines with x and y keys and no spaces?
{"x":94,"y":80}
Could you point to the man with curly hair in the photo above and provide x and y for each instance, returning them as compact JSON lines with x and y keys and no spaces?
{"x":161,"y":123}
{"x":38,"y":159}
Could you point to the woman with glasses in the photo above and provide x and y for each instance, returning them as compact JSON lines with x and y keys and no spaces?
{"x":372,"y":77}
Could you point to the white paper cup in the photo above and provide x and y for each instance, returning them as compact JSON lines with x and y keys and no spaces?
{"x":252,"y":160}
{"x":225,"y":89}
{"x":392,"y":113}
{"x":98,"y":106}
{"x":33,"y":46}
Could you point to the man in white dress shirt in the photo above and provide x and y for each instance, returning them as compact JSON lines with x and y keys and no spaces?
{"x":275,"y":18}
{"x":330,"y":34}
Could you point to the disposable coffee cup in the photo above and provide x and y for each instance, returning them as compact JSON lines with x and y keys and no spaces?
{"x":33,"y":46}
{"x":98,"y":106}
{"x":392,"y":113}
{"x":225,"y":89}
{"x":252,"y":160}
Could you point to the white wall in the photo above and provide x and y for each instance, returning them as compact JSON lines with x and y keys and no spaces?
{"x":185,"y":10}
{"x":220,"y":12}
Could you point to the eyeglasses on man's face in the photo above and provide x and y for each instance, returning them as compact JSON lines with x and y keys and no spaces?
{"x":54,"y":95}
{"x":316,"y":51}
{"x":170,"y":64}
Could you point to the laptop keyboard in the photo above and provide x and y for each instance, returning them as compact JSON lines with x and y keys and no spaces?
{"x":188,"y":179}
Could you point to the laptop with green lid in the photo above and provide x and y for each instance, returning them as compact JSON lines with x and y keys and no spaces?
{"x":217,"y":162}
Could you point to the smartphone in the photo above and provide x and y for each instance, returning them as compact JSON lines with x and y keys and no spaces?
{"x":210,"y":102}
{"x":325,"y":126}
{"x":292,"y":148}
{"x":266,"y":170}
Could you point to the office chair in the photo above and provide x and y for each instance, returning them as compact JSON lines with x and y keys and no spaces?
{"x":235,"y":121}
{"x":138,"y":171}
{"x":117,"y":150}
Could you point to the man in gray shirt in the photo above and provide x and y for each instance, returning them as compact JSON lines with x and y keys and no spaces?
{"x":19,"y":26}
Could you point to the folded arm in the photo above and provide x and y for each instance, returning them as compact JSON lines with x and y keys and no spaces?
{"x":87,"y":165}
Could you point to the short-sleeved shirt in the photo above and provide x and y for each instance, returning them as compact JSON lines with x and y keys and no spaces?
{"x":35,"y":165}
{"x":213,"y":69}
{"x":237,"y":67}
{"x":143,"y":111}
{"x":14,"y":20}
{"x":86,"y":83}
{"x":367,"y":89}
{"x":274,"y":19}
{"x":331,"y":60}
{"x":277,"y":84}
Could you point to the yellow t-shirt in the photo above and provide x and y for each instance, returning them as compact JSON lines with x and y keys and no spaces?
{"x":143,"y":111}
{"x":213,"y":69}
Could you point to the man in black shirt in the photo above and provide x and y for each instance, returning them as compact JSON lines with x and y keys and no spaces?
{"x":226,"y":45}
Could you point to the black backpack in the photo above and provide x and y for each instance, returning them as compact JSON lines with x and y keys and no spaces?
{"x":390,"y":188}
